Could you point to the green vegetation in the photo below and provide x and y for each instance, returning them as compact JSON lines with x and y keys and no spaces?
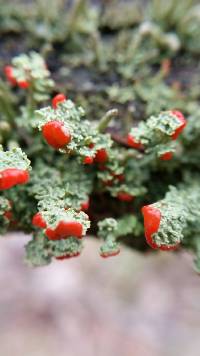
{"x":115,"y":140}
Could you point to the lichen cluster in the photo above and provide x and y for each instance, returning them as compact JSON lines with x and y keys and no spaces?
{"x":125,"y":71}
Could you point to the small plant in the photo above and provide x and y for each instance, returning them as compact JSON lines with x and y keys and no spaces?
{"x":71,"y":164}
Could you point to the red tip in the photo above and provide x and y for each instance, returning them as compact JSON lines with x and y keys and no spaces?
{"x":85,"y":205}
{"x":152,"y":218}
{"x":166,"y":156}
{"x":67,"y":256}
{"x":51,"y":234}
{"x":125,"y":197}
{"x":133,"y":143}
{"x":8,"y":215}
{"x":88,"y":160}
{"x":8,"y":70}
{"x":101,"y":156}
{"x":56,"y":134}
{"x":23,"y":84}
{"x":65,"y":229}
{"x":12,"y":176}
{"x":39,"y":221}
{"x":59,"y":98}
{"x":69,"y":228}
{"x":183,"y":123}
{"x":109,"y":253}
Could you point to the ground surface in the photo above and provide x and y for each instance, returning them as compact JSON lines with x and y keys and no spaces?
{"x":144,"y":305}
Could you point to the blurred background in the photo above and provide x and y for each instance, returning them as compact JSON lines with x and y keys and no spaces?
{"x":133,"y":304}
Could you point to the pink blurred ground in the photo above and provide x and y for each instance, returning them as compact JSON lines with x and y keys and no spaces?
{"x":126,"y":306}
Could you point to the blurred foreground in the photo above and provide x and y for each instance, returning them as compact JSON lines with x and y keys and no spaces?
{"x":144,"y":305}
